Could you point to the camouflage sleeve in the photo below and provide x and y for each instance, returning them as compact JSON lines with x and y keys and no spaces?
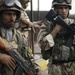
{"x":24,"y":15}
{"x":45,"y":40}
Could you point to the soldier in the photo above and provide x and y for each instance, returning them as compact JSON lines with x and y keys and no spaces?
{"x":24,"y":17}
{"x":52,"y":42}
{"x":10,"y":11}
{"x":25,"y":25}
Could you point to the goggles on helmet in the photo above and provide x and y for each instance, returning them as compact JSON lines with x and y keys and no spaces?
{"x":12,"y":2}
{"x":61,"y":1}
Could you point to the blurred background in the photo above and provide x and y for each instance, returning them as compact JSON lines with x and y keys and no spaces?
{"x":41,"y":7}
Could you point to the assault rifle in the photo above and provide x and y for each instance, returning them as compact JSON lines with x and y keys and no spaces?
{"x":54,"y":17}
{"x":24,"y":66}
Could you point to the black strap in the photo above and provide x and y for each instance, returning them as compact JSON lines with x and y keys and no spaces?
{"x":62,"y":61}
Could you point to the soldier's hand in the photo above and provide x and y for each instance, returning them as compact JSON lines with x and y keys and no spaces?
{"x":37,"y":26}
{"x":30,"y":24}
{"x":40,"y":72}
{"x":43,"y":44}
{"x":7,"y":61}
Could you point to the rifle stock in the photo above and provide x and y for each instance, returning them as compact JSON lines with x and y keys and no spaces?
{"x":18,"y":58}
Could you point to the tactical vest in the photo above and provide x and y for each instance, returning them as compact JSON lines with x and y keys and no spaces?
{"x":60,"y":52}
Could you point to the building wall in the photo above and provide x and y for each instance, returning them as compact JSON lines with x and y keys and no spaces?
{"x":37,"y":15}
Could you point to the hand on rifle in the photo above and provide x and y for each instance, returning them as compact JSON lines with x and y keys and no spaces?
{"x":56,"y":30}
{"x":4,"y":58}
{"x":8,"y":61}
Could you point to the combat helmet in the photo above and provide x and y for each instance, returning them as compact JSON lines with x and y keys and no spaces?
{"x":61,"y":2}
{"x":11,"y":5}
{"x":25,"y":1}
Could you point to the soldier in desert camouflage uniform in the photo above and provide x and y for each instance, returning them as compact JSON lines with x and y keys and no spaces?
{"x":25,"y":24}
{"x":53,"y":43}
{"x":10,"y":11}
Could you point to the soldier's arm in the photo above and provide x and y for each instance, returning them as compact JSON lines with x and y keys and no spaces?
{"x":25,"y":19}
{"x":8,"y":61}
{"x":47,"y":41}
{"x":56,"y":30}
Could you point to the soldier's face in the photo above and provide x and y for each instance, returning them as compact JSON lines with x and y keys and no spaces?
{"x":63,"y":11}
{"x":25,"y":5}
{"x":8,"y":18}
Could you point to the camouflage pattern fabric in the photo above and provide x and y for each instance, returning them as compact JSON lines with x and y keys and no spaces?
{"x":66,"y":68}
{"x":61,"y":69}
{"x":19,"y":43}
{"x":22,"y":26}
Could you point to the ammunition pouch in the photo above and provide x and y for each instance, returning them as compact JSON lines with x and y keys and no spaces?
{"x":62,"y":53}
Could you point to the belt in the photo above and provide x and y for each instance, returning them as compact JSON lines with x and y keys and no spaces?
{"x":62,"y":61}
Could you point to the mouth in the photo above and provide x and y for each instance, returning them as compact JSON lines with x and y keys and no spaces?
{"x":63,"y":14}
{"x":11,"y":22}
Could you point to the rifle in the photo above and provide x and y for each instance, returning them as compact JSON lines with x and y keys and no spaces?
{"x":54,"y":17}
{"x":23,"y":65}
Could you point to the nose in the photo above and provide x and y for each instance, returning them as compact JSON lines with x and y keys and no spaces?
{"x":12,"y":17}
{"x":63,"y":9}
